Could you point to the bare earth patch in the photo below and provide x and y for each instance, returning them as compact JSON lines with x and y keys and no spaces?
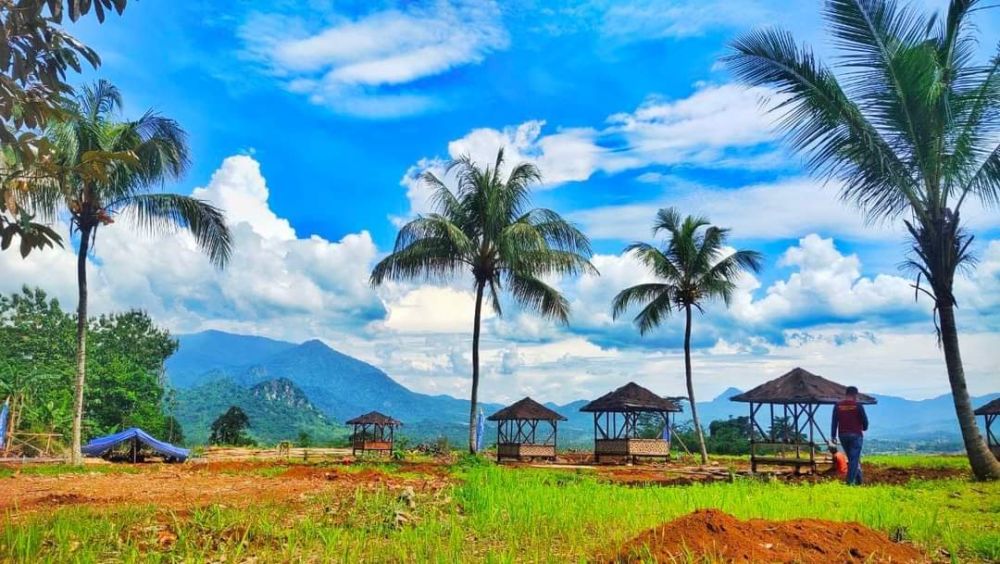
{"x":182,"y":487}
{"x":714,"y":535}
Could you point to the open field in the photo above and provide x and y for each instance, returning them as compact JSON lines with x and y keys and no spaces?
{"x":470,"y":510}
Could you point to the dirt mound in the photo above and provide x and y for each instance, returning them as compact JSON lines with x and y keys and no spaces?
{"x":713,"y":535}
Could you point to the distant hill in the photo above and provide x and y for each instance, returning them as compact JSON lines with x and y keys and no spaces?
{"x":341,"y":387}
{"x":278,"y":410}
{"x":217,"y":351}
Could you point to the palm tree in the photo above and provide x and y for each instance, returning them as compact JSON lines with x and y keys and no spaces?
{"x":908,"y":126}
{"x":110,"y":167}
{"x":487,"y":229}
{"x":692,"y":269}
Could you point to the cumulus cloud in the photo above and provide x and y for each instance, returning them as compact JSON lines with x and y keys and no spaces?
{"x":826,"y":284}
{"x":276,"y":283}
{"x":363,"y":66}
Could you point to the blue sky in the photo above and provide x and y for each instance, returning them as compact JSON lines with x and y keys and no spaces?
{"x":309,"y":122}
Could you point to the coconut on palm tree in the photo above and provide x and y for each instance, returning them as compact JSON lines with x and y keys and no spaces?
{"x":110,"y":166}
{"x":487,"y":229}
{"x":907,"y":123}
{"x":691,"y":269}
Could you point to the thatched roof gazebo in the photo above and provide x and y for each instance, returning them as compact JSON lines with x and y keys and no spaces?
{"x":616,"y":422}
{"x":990,"y":411}
{"x":373,"y":432}
{"x":791,"y":438}
{"x":518,"y":435}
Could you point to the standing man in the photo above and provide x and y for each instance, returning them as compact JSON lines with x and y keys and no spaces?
{"x":851,"y":422}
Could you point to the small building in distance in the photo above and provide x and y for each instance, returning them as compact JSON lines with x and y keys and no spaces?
{"x":616,"y":423}
{"x":990,"y":411}
{"x":793,"y":436}
{"x":526,"y":429}
{"x":373,"y":432}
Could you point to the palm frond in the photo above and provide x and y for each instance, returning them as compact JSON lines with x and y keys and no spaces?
{"x":158,"y":213}
{"x":533,"y":294}
{"x":820,"y":121}
{"x":655,"y":311}
{"x":427,"y":258}
{"x":655,"y":260}
{"x":641,"y":295}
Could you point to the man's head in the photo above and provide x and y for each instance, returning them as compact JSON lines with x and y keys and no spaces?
{"x":833,"y":449}
{"x":852,"y":391}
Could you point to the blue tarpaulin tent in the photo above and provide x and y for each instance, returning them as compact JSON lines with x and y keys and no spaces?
{"x":100,"y":446}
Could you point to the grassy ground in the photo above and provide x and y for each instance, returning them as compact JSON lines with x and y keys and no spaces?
{"x":496,"y":514}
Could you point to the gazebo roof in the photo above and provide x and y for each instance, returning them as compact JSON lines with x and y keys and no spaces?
{"x":374,"y":418}
{"x":526,"y":408}
{"x":991,"y":408}
{"x":630,"y":397}
{"x":799,"y":386}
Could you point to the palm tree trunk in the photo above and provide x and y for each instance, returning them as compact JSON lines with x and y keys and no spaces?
{"x":475,"y":367}
{"x":690,"y":385}
{"x":984,"y":464}
{"x":76,"y":456}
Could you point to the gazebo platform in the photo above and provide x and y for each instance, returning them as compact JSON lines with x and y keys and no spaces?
{"x":373,"y":432}
{"x":793,"y":401}
{"x":518,"y":434}
{"x":616,"y":423}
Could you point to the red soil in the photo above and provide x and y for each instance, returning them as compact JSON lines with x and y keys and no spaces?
{"x":713,"y":535}
{"x":181,"y":487}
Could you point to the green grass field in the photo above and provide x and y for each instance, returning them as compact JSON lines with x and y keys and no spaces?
{"x":497,"y":514}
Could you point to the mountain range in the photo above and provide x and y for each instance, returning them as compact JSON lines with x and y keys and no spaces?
{"x":288,"y":388}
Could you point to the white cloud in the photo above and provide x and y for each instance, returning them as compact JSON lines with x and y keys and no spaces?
{"x":714,"y":127}
{"x":357,"y":66}
{"x":275,"y":284}
{"x":433,"y":309}
{"x":826,"y":283}
{"x":697,"y":129}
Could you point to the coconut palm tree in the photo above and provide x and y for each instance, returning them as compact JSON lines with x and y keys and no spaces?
{"x":110,"y":167}
{"x":691,"y":269}
{"x":487,"y":229}
{"x":907,"y":123}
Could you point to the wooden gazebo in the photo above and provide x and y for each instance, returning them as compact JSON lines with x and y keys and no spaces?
{"x":990,"y":412}
{"x":616,"y":423}
{"x":373,"y":432}
{"x":518,"y":433}
{"x":792,"y":401}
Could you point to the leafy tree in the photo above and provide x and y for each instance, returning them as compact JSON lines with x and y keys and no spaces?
{"x":907,"y":124}
{"x":693,"y":268}
{"x":230,"y":428}
{"x":729,"y":436}
{"x":488,"y":230}
{"x":37,"y":361}
{"x":35,"y":55}
{"x":147,"y":152}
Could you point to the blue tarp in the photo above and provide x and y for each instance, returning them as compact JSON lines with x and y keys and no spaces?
{"x":100,"y":446}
